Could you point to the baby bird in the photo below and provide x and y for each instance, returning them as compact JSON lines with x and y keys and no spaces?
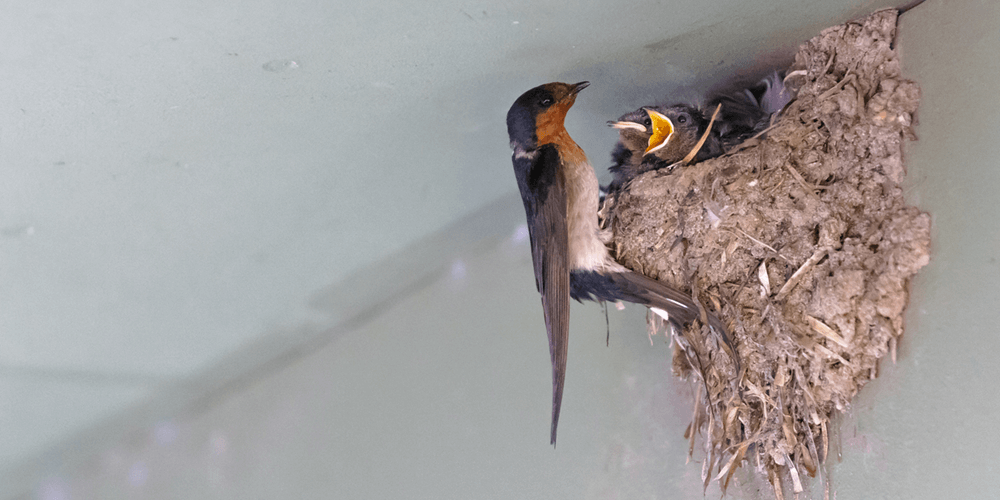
{"x":658,"y":137}
{"x":747,"y":113}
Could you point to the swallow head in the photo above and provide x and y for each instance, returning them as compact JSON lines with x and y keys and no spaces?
{"x":537,"y":116}
{"x":675,"y":130}
{"x":634,"y":130}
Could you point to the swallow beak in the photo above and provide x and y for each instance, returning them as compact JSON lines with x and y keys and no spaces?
{"x":627,"y":125}
{"x":663,"y":128}
{"x":577,"y":87}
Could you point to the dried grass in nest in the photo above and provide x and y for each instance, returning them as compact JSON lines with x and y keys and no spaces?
{"x":803,"y":242}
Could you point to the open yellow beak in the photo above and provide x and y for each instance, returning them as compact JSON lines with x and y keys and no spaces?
{"x":663,"y":128}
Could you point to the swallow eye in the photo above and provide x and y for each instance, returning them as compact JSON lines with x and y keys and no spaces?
{"x":546,"y":102}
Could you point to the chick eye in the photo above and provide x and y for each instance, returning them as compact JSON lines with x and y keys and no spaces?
{"x":682,"y":119}
{"x":647,"y":122}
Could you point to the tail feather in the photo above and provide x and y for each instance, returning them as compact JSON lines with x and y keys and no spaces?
{"x":636,"y":288}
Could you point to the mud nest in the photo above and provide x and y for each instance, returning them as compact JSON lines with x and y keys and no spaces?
{"x":803,"y":243}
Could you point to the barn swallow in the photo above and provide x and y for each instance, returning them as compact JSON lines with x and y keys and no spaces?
{"x":560,"y":194}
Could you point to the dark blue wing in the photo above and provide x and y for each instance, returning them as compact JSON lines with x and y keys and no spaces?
{"x":544,"y":197}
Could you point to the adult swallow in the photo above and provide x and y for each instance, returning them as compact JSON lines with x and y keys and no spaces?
{"x":560,"y":194}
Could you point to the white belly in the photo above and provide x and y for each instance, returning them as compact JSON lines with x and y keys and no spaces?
{"x":586,"y":250}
